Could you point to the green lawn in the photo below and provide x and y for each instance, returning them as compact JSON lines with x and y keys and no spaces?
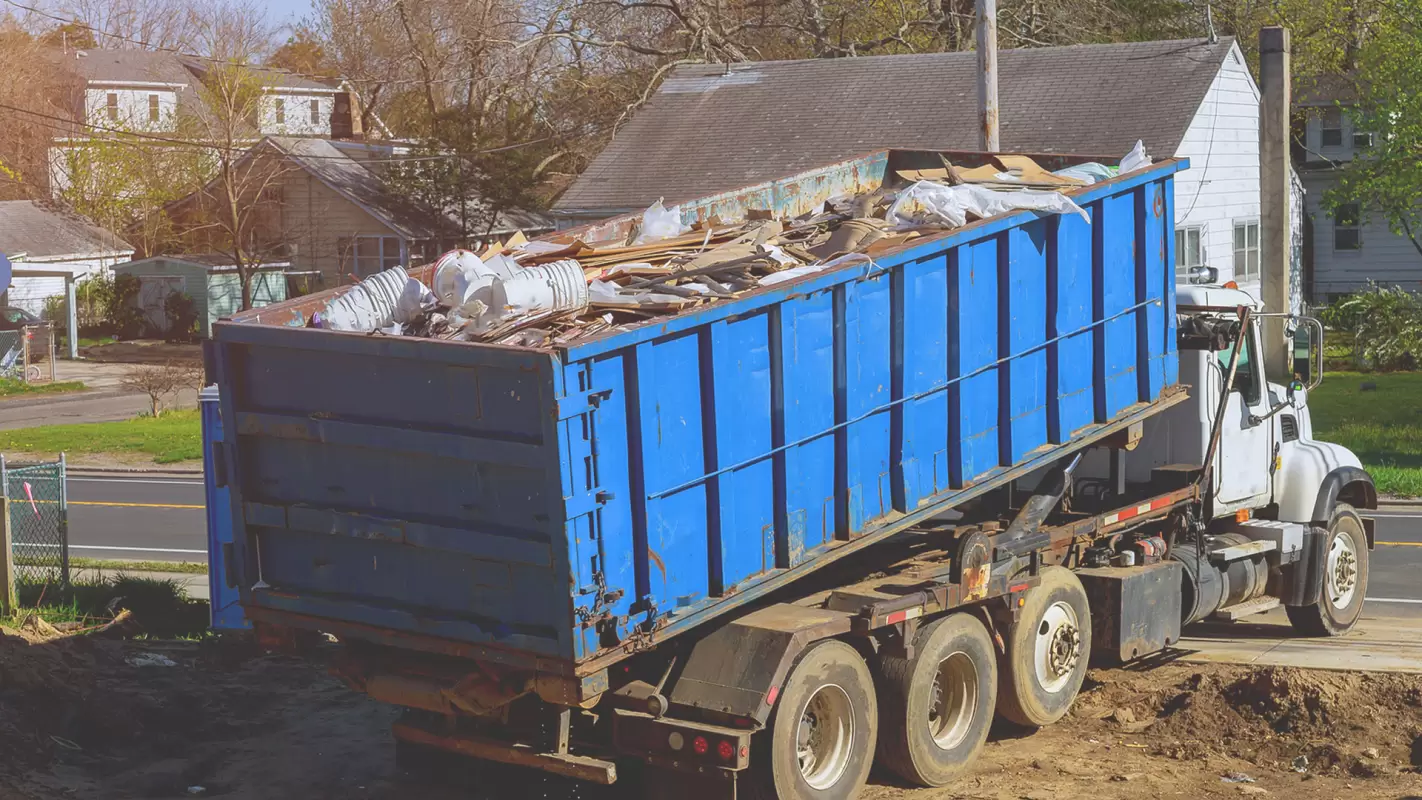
{"x":174,"y":436}
{"x":1383,"y":425}
{"x":13,"y":387}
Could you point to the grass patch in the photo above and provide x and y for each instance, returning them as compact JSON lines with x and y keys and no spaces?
{"x":14,"y":387}
{"x":173,"y":436}
{"x":120,"y":565}
{"x":161,"y":607}
{"x":1382,"y":425}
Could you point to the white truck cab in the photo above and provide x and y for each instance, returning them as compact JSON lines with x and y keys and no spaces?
{"x":1271,"y":479}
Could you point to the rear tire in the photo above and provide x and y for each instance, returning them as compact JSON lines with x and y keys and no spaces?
{"x":820,"y":741}
{"x":1047,"y":651}
{"x":937,"y":707}
{"x":1345,"y":579}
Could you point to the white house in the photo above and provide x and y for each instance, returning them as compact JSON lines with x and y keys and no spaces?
{"x":712,"y":128}
{"x":49,"y":251}
{"x":1351,"y":247}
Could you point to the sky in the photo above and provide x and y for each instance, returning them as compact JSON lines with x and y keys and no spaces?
{"x":286,"y":12}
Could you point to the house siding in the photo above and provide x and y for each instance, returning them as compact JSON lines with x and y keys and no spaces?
{"x":297,"y":113}
{"x":1384,"y":257}
{"x":318,"y":221}
{"x":1222,"y":184}
{"x":30,"y":293}
{"x":132,"y":108}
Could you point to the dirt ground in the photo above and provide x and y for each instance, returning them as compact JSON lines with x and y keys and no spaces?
{"x":85,"y":717}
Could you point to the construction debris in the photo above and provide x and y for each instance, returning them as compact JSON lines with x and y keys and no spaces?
{"x":543,"y":293}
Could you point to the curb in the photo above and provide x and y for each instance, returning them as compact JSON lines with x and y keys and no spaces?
{"x":134,"y":471}
{"x":1399,"y":502}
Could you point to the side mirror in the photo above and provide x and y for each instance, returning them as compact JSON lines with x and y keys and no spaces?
{"x":1308,"y":352}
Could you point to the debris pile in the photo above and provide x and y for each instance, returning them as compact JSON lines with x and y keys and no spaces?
{"x":551,"y":293}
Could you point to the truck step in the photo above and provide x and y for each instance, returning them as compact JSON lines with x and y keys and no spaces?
{"x":1256,"y":606}
{"x":1238,"y":551}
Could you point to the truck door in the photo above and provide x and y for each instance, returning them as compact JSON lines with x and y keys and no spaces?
{"x":1245,"y":453}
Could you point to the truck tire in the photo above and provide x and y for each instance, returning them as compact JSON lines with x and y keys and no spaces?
{"x":1046,"y":651}
{"x":1345,"y":579}
{"x":819,"y":744}
{"x":937,"y":706}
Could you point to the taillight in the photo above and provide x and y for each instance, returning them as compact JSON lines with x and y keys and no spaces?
{"x":700,"y":745}
{"x":726,"y":750}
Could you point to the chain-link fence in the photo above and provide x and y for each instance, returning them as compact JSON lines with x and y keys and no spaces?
{"x":28,"y":354}
{"x":39,"y":520}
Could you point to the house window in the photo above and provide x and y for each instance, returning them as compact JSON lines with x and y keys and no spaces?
{"x":1246,"y":250}
{"x":280,"y":111}
{"x":112,"y":106}
{"x":1332,"y":127}
{"x":315,"y":112}
{"x":368,"y":255}
{"x":1362,"y":140}
{"x":1347,"y":227}
{"x":1189,"y":251}
{"x":152,"y":108}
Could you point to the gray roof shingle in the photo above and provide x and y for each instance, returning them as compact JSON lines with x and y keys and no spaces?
{"x":39,"y":232}
{"x":713,"y":128}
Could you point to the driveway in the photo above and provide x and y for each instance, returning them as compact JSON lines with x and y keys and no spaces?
{"x":103,"y":401}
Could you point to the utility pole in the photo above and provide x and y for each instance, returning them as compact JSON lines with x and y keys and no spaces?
{"x":987,"y":74}
{"x":1275,"y":241}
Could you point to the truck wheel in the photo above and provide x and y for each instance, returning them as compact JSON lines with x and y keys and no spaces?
{"x":1047,"y":651}
{"x":1345,"y":579}
{"x":821,"y":737}
{"x":937,"y":706}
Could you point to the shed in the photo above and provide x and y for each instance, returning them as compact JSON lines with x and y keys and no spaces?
{"x":213,"y":285}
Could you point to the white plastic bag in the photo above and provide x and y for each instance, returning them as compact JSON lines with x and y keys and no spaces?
{"x":1136,"y":159}
{"x":1088,"y":173}
{"x":927,"y":202}
{"x":660,"y":223}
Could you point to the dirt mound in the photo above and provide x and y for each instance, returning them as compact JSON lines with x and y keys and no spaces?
{"x":1315,"y":722}
{"x":45,"y":684}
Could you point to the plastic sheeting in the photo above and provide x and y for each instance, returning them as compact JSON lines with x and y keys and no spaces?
{"x":927,"y":202}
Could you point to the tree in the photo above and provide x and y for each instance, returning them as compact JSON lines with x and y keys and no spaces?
{"x":238,"y":212}
{"x":70,"y":36}
{"x":156,"y":382}
{"x":37,"y":96}
{"x":1386,"y":176}
{"x":303,"y":54}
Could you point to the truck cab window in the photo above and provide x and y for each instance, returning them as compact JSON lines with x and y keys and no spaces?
{"x":1245,"y":379}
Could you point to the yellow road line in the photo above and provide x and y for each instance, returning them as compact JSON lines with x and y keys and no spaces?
{"x":1401,"y":544}
{"x":123,"y":505}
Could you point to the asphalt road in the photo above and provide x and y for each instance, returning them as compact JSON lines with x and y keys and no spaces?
{"x":162,"y":519}
{"x":154,"y":519}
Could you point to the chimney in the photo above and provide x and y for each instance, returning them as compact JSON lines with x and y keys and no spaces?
{"x":1274,"y":239}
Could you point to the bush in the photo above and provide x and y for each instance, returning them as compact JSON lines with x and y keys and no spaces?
{"x":1382,"y":324}
{"x":182,"y":317}
{"x":123,"y":315}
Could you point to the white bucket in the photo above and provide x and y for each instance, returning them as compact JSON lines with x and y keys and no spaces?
{"x":369,"y":305}
{"x":560,"y":286}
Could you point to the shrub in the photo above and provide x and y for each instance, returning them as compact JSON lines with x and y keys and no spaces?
{"x":1383,"y":325}
{"x":123,"y":315}
{"x":182,"y":317}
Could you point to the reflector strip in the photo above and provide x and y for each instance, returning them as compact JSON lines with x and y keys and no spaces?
{"x":1144,"y":508}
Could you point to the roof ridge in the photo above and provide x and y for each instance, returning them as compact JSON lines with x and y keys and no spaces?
{"x":1225,"y":40}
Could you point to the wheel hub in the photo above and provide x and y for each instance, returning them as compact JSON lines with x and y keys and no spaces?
{"x":1058,"y":647}
{"x":824,"y":737}
{"x":1342,"y":574}
{"x":1065,"y":650}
